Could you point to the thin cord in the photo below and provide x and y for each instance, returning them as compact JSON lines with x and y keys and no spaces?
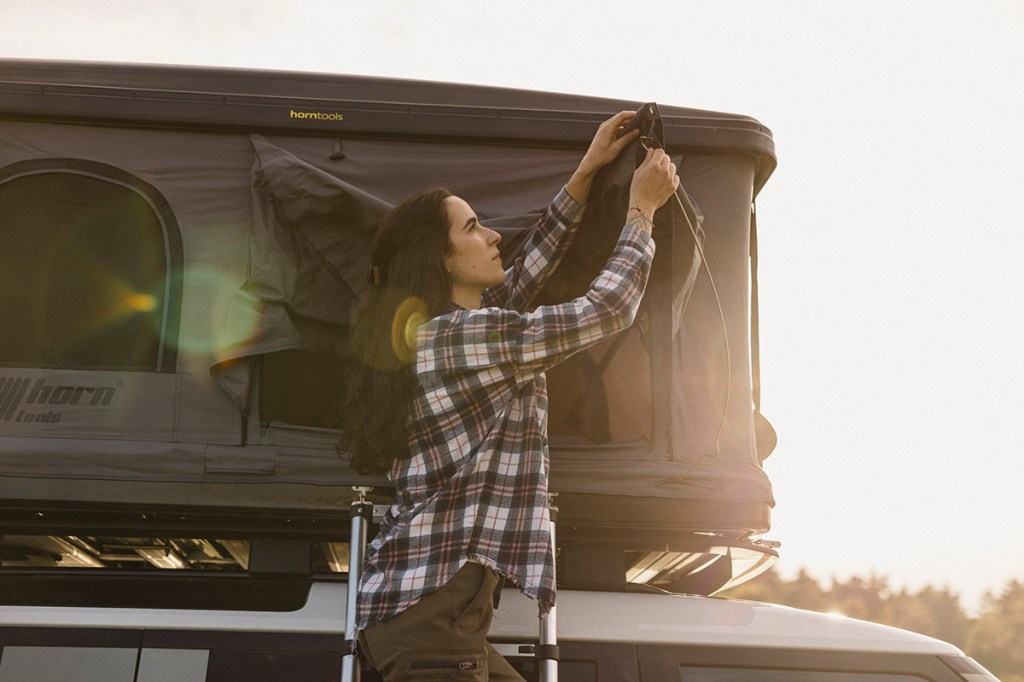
{"x":721,"y":316}
{"x":725,"y":338}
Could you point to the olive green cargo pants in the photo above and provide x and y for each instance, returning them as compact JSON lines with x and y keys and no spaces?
{"x":442,"y":636}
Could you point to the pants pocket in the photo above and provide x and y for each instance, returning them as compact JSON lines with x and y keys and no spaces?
{"x":458,"y":665}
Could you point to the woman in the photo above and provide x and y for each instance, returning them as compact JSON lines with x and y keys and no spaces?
{"x":450,"y":401}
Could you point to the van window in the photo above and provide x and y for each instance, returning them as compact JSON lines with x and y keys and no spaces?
{"x":67,"y":664}
{"x":691,"y":674}
{"x":87,"y":268}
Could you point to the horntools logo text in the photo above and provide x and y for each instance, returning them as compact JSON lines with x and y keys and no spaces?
{"x":317,"y":115}
{"x":15,"y":394}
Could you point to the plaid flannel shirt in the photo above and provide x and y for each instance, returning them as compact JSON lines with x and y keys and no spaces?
{"x":476,"y":484}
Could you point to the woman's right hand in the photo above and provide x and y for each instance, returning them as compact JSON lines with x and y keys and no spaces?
{"x":653,"y":183}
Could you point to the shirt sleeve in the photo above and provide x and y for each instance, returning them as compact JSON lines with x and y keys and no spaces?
{"x":548,"y":241}
{"x":471,"y":340}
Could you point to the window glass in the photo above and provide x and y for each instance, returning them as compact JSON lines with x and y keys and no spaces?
{"x":300,"y":387}
{"x":693,"y":674}
{"x":273,"y":666}
{"x":85,"y":268}
{"x":67,"y":664}
{"x":122,"y":552}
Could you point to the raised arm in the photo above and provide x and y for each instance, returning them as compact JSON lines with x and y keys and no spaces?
{"x":551,"y":236}
{"x":516,"y":343}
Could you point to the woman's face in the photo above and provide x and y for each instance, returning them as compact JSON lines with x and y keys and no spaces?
{"x":474,"y":262}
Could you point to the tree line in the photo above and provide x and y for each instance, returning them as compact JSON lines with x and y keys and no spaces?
{"x":995,"y":637}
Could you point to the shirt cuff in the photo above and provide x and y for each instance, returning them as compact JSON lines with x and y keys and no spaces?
{"x":638,"y":238}
{"x":567,"y":207}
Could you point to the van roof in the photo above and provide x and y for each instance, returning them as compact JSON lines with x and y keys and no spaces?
{"x":582,"y":616}
{"x":706,"y":621}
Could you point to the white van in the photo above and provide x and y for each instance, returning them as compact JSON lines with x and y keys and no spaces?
{"x":603,"y":637}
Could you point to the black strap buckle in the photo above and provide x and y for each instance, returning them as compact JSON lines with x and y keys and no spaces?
{"x":541,"y":652}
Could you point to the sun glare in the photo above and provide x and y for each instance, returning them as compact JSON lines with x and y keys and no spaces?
{"x":143,"y":303}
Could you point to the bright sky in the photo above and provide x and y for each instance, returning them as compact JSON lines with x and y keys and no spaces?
{"x":891,"y":287}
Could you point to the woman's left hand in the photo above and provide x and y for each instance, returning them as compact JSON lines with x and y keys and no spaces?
{"x":607,"y":144}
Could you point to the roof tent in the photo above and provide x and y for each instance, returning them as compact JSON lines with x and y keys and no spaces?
{"x":184,"y":249}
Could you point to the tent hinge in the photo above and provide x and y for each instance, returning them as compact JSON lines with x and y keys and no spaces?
{"x":339,"y":151}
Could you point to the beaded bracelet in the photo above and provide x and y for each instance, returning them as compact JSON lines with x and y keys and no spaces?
{"x":643,"y":215}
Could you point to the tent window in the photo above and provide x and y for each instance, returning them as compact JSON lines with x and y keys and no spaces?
{"x":86,"y":268}
{"x":301,"y":388}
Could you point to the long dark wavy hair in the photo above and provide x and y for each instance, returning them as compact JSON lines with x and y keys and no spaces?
{"x":414,"y":285}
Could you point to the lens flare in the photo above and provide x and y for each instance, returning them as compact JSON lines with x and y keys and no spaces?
{"x":211,"y":320}
{"x":411,"y":314}
{"x":143,"y":303}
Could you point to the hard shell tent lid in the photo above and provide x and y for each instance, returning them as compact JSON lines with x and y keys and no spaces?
{"x":259,"y":191}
